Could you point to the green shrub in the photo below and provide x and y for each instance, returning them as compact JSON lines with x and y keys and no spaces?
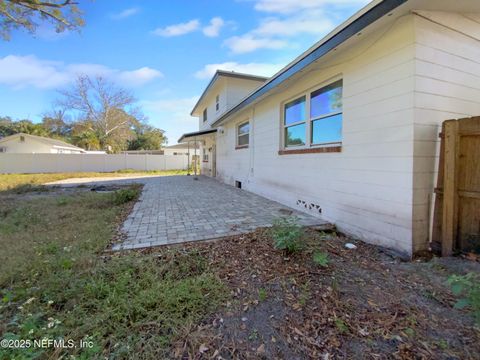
{"x":125,"y":195}
{"x":287,"y":235}
{"x":467,"y":287}
{"x":321,"y":258}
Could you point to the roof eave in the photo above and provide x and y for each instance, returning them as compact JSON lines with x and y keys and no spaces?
{"x":355,"y":24}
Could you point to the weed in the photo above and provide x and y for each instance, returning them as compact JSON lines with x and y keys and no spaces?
{"x":467,"y":287}
{"x":62,"y":200}
{"x":341,"y":325}
{"x":321,"y":258}
{"x":253,"y":335}
{"x":287,"y":235}
{"x":262,"y":294}
{"x":124,"y":196}
{"x":304,"y":294}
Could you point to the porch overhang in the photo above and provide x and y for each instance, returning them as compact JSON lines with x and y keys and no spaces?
{"x":195,"y":136}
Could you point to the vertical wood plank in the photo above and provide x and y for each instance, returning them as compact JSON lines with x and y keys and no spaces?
{"x":449,"y":216}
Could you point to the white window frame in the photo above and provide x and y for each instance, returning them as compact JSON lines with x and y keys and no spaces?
{"x":308,"y":120}
{"x":217,"y":102}
{"x":237,"y":135}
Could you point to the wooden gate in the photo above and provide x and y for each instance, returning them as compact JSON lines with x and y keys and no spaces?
{"x":456,"y":223}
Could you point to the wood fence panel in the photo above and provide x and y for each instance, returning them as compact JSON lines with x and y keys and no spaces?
{"x":456,"y":225}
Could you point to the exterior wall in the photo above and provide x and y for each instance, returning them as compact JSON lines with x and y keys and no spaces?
{"x":176,"y":151}
{"x":447,"y":86}
{"x":231,"y":91}
{"x":238,"y":89}
{"x":366,"y":189}
{"x":29,"y":146}
{"x":52,"y":163}
{"x":209,"y":102}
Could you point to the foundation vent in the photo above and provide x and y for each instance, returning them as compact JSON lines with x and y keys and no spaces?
{"x":309,"y":206}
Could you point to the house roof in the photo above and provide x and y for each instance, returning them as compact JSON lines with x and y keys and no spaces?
{"x":223,"y":73}
{"x":196,"y":134}
{"x":179,"y":146}
{"x":45,"y":140}
{"x":352,"y":26}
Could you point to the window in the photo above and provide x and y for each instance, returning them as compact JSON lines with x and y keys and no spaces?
{"x":205,"y":115}
{"x":322,"y":125}
{"x":22,"y":138}
{"x":243,"y":138}
{"x":217,"y":103}
{"x":205,"y":155}
{"x":3,"y":149}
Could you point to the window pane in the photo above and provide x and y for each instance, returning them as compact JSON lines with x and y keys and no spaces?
{"x":295,"y":111}
{"x":295,"y":135}
{"x":243,"y":140}
{"x":326,"y":100}
{"x":327,"y":130}
{"x":244,"y":129}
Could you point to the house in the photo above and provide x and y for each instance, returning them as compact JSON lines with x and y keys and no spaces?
{"x":31,"y":144}
{"x":349,"y":130}
{"x":177,"y":149}
{"x":181,"y":149}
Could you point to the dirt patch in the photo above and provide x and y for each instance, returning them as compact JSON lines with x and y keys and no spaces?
{"x":363,"y":304}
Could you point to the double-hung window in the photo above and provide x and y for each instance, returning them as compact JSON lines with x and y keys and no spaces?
{"x":315,"y":118}
{"x":243,"y":134}
{"x":217,"y":102}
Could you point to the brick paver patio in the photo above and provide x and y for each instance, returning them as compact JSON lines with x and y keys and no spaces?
{"x":175,"y":209}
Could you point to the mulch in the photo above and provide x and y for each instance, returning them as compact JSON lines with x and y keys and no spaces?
{"x":365,"y":304}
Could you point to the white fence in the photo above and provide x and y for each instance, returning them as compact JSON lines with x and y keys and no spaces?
{"x":56,"y":163}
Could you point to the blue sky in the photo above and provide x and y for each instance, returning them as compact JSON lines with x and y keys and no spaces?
{"x":164,"y":52}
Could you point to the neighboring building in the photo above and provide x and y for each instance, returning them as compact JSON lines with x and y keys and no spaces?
{"x":178,"y":149}
{"x":349,"y":130}
{"x":32,"y":144}
{"x":181,"y":149}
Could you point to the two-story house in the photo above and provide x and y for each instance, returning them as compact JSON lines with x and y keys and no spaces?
{"x":349,"y":130}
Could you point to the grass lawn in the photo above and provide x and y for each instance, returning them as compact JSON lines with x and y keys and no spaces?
{"x":57,"y":282}
{"x":235,"y":298}
{"x":12,"y":181}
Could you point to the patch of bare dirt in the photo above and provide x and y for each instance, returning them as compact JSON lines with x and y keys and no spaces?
{"x":364,"y":305}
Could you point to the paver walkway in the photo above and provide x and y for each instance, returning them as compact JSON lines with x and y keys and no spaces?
{"x":175,"y":209}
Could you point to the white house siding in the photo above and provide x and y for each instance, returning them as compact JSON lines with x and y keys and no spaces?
{"x":366,"y":190}
{"x":447,"y":86}
{"x":32,"y":146}
{"x":209,"y":102}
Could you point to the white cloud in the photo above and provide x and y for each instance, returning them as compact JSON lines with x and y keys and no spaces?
{"x":214,"y":28}
{"x":290,"y":18}
{"x":172,"y":115}
{"x":262,"y":69}
{"x":139,"y":77}
{"x":30,"y":71}
{"x":125,"y":13}
{"x":250,"y":42}
{"x":292,"y":6}
{"x":178,"y":29}
{"x":294,"y":26}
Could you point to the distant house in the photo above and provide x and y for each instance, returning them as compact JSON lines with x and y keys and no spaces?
{"x":178,"y":149}
{"x":31,"y":144}
{"x":349,"y":130}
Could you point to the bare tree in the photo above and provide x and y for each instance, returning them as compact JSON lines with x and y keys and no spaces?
{"x":104,"y":109}
{"x":25,"y":14}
